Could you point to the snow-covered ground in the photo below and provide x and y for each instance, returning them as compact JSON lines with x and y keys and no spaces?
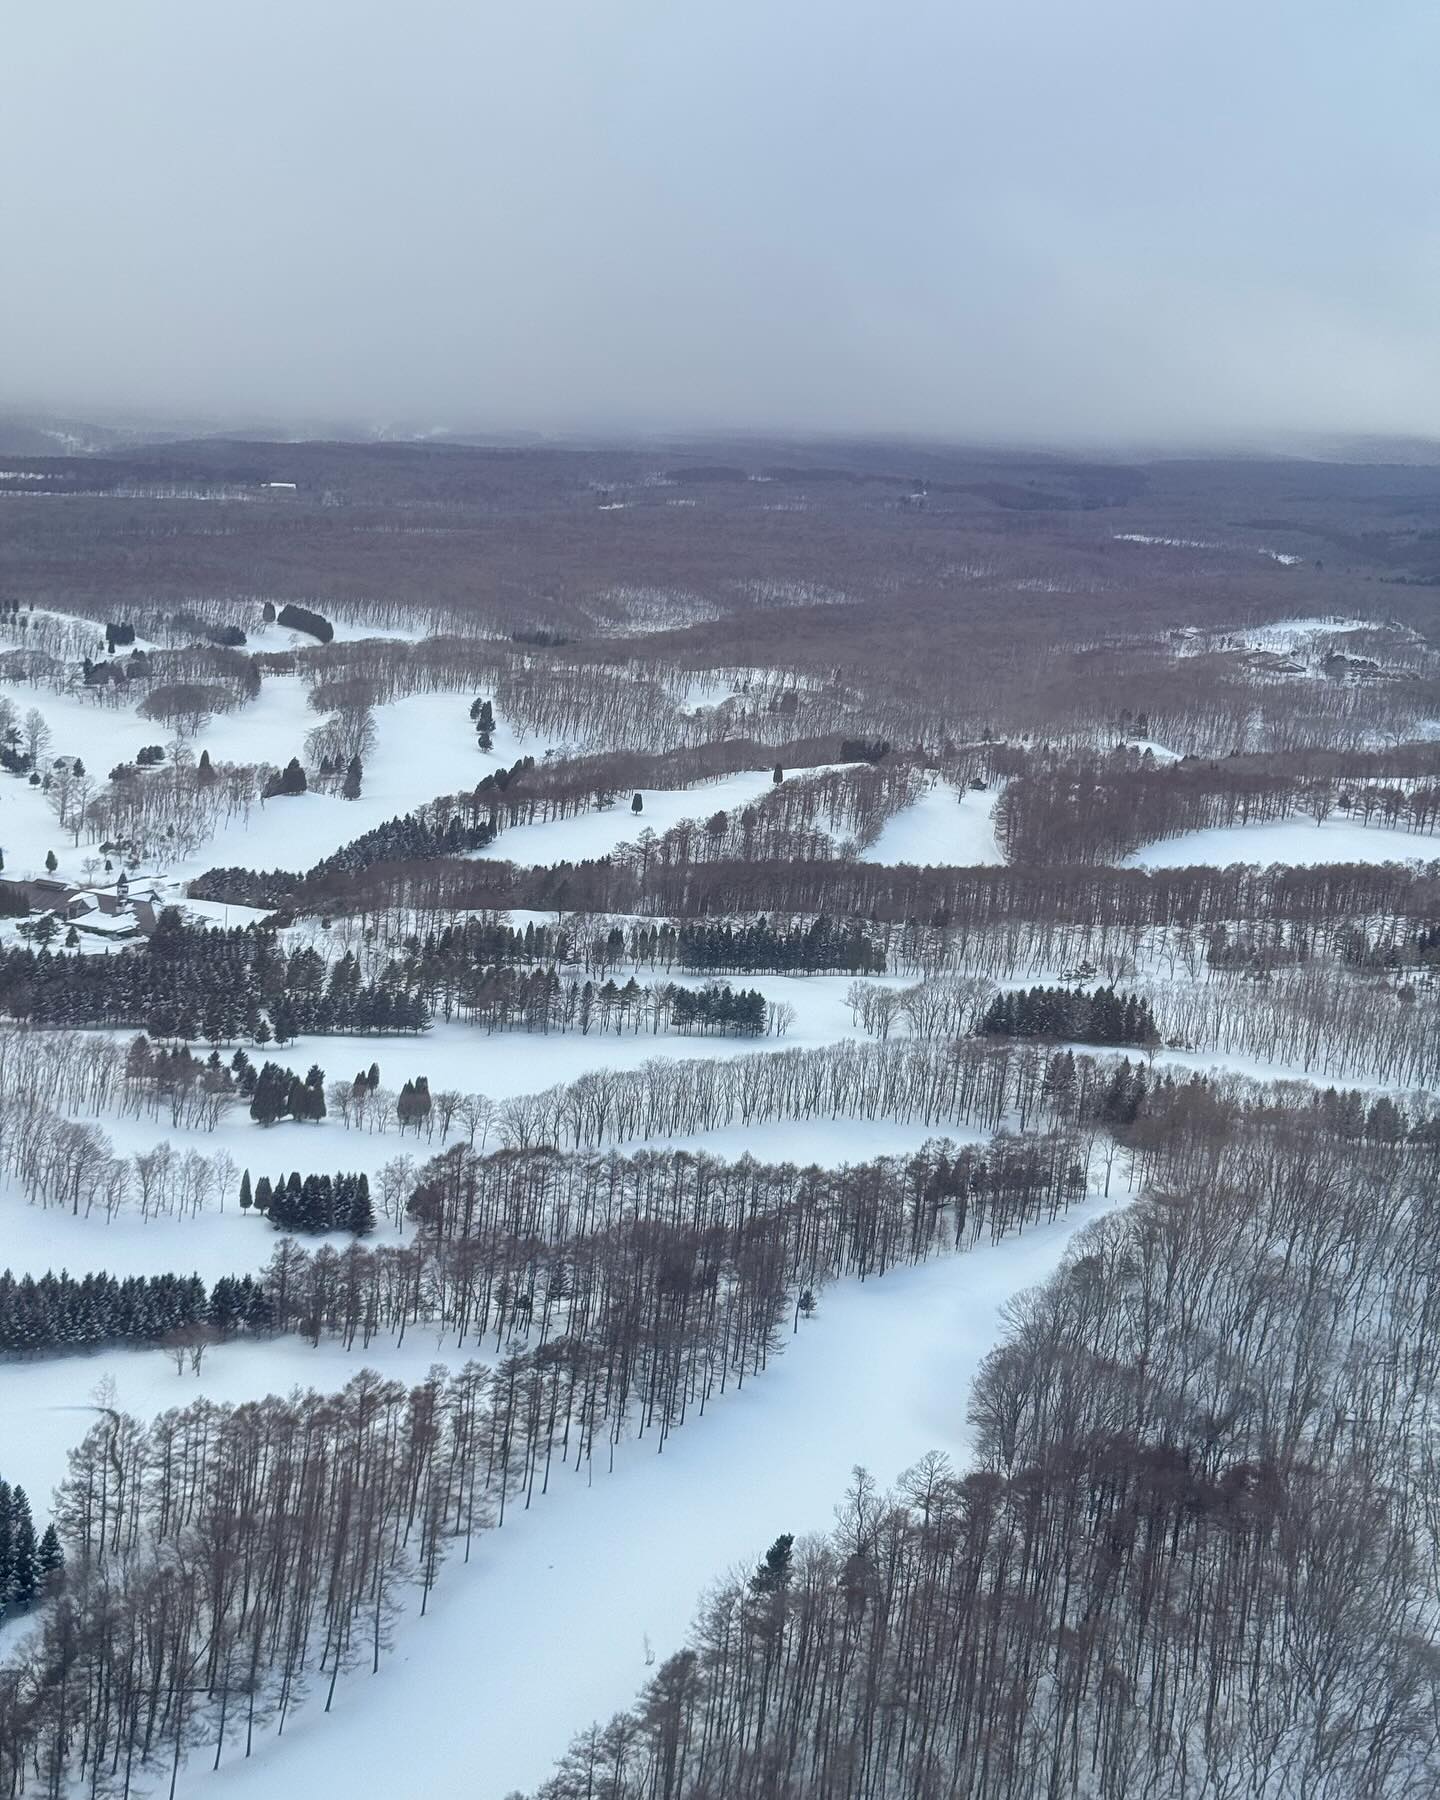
{"x":596,"y":834}
{"x":425,"y":745}
{"x":1297,"y":841}
{"x":936,"y":830}
{"x":548,"y":1626}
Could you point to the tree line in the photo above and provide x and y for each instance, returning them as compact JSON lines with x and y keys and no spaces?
{"x":195,"y":981}
{"x":1320,"y":899}
{"x":1084,"y":809}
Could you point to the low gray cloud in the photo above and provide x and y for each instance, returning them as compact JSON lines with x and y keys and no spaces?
{"x":1040,"y":220}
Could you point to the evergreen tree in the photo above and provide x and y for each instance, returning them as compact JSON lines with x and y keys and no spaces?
{"x":350,"y":787}
{"x":361,"y":1216}
{"x":246,"y":1197}
{"x":638,"y":804}
{"x":774,"y":1574}
{"x":51,"y":862}
{"x":51,"y":1556}
{"x":7,"y":1552}
{"x":24,"y":1554}
{"x":272,"y":1094}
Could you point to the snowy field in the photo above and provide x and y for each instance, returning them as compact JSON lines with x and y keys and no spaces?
{"x":425,"y":745}
{"x":549,"y":1625}
{"x":942,"y":827}
{"x":595,"y":834}
{"x":1299,"y":842}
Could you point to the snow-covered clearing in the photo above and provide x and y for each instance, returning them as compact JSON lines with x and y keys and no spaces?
{"x":547,"y":1627}
{"x":936,"y":830}
{"x":1161,"y":752}
{"x":425,"y":745}
{"x":595,"y":834}
{"x":1300,"y":842}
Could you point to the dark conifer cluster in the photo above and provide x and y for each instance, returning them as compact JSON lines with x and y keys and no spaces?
{"x":1101,"y":1017}
{"x":290,"y":780}
{"x":193,"y":981}
{"x":718,"y":1007}
{"x":301,"y":618}
{"x":312,"y":1203}
{"x":25,"y":1564}
{"x":280,"y":1094}
{"x":59,"y":1311}
{"x":51,"y":1314}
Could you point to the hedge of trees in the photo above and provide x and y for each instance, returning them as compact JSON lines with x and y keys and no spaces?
{"x":1102,"y":1017}
{"x":193,"y":981}
{"x":302,"y":618}
{"x":312,"y":1203}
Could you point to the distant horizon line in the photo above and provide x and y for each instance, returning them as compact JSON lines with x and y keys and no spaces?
{"x":151,"y":429}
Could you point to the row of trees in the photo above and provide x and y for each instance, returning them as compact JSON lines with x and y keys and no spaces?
{"x":1321,"y":898}
{"x":1101,"y":1017}
{"x":47,"y":1313}
{"x":192,"y":981}
{"x":527,"y":792}
{"x":312,"y":1203}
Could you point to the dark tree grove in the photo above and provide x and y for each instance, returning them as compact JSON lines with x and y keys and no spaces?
{"x":302,"y":618}
{"x":1102,"y":1017}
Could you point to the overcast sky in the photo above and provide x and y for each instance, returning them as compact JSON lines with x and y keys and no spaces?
{"x":1036,"y":219}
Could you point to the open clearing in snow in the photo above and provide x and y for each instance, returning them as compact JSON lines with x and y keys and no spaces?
{"x":1299,"y":842}
{"x":942,"y":827}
